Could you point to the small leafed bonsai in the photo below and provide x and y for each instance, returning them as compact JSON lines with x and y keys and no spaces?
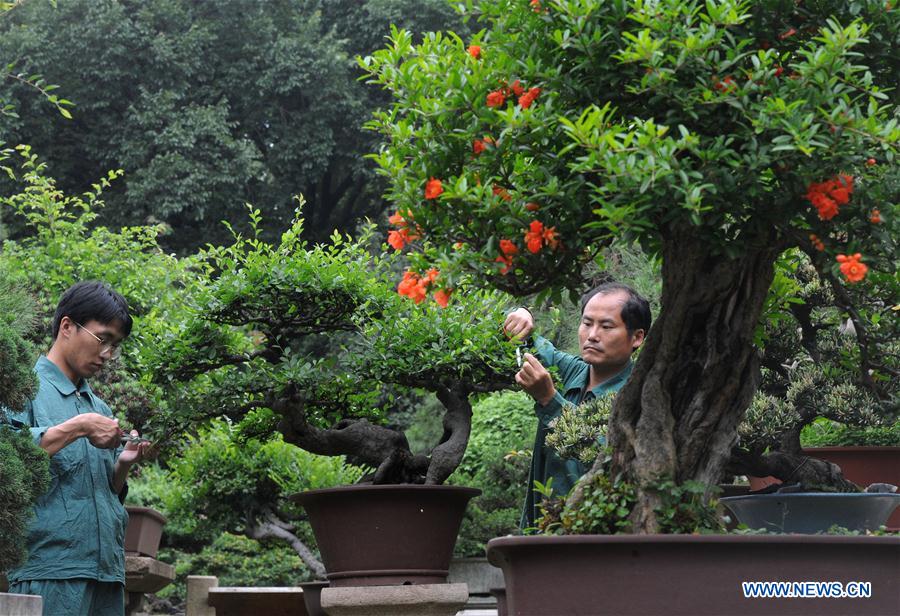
{"x":313,"y":342}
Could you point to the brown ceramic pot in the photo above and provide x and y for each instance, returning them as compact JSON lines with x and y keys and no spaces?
{"x":386,"y":534}
{"x":144,"y":531}
{"x":864,"y":466}
{"x":312,"y":597}
{"x":691,"y":575}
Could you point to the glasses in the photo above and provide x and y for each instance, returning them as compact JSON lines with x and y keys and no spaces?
{"x":105,"y":345}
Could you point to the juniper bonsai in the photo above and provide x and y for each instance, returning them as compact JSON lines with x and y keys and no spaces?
{"x":24,"y":468}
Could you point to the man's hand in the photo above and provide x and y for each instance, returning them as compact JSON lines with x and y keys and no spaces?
{"x":134,"y":452}
{"x":535,"y":380}
{"x":519,"y":323}
{"x":103,"y":432}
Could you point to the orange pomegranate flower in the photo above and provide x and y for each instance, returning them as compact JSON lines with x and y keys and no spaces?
{"x":508,"y":248}
{"x":474,"y":51}
{"x":526,"y":99}
{"x":433,"y":189}
{"x":875,"y":217}
{"x":787,"y":34}
{"x":397,"y":219}
{"x":495,"y":99}
{"x":534,"y":236}
{"x":507,"y":263}
{"x":398,"y":239}
{"x":535,"y":5}
{"x":852,"y":267}
{"x":442,"y":297}
{"x":501,"y":192}
{"x":431,"y":275}
{"x":478,"y":146}
{"x":517,"y":88}
{"x":531,"y":206}
{"x":816,"y":242}
{"x":550,"y":237}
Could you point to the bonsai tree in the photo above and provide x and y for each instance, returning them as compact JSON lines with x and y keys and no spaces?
{"x":24,"y":467}
{"x":307,"y":340}
{"x":718,"y":135}
{"x":811,"y":371}
{"x":241,"y":483}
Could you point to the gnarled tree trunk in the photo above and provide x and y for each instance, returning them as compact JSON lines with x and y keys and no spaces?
{"x":678,"y":414}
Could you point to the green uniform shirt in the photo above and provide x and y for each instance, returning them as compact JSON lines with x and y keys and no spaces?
{"x":574,"y":374}
{"x":79,"y":524}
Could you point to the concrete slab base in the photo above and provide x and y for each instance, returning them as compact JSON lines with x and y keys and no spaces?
{"x":411,"y":600}
{"x":20,"y":605}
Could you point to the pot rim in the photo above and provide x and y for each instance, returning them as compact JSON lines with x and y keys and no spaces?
{"x":808,"y":496}
{"x":788,"y":539}
{"x":389,"y":487}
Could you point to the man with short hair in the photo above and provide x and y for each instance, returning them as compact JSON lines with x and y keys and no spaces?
{"x":614,"y":321}
{"x":76,"y":558}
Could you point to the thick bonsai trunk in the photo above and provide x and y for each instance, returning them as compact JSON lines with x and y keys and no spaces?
{"x":384,"y":449}
{"x":678,"y":414}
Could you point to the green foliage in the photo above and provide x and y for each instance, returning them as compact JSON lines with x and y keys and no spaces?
{"x":579,"y":432}
{"x":827,"y":433}
{"x":16,"y":356}
{"x":207,"y":106}
{"x":606,"y":507}
{"x":702,"y":121}
{"x":825,"y":363}
{"x":24,"y":468}
{"x":67,"y":245}
{"x":234,"y":480}
{"x":24,"y":476}
{"x":685,"y":508}
{"x":501,"y":423}
{"x":603,"y":511}
{"x":236,"y":561}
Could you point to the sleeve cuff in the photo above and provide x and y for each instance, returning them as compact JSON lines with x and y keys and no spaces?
{"x":550,"y":411}
{"x":37,"y":434}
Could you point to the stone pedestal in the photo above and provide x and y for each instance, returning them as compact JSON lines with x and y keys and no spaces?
{"x":410,"y":600}
{"x":20,"y":605}
{"x":198,"y":587}
{"x":480,"y":576}
{"x":144,"y":575}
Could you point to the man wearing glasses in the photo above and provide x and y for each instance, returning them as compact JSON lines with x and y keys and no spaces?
{"x":76,"y":559}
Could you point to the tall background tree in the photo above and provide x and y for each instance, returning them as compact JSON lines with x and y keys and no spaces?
{"x":206,"y":106}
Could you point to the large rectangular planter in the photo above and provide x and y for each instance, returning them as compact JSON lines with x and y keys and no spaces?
{"x":693,"y":575}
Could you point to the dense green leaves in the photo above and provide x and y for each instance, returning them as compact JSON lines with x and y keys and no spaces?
{"x":206,"y":106}
{"x":650,"y":115}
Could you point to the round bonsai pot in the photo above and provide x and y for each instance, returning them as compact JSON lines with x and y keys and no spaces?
{"x":865,"y":466}
{"x":375,"y":535}
{"x":691,"y":575}
{"x":143,"y":531}
{"x":312,"y":597}
{"x":801,"y":512}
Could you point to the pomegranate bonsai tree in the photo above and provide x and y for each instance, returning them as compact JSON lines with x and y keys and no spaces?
{"x":718,"y":135}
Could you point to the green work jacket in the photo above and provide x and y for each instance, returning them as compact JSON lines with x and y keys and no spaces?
{"x":79,"y":525}
{"x":574,"y":374}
